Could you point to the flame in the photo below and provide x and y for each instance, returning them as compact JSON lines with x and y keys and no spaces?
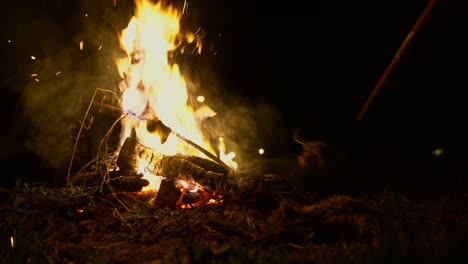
{"x":153,"y":88}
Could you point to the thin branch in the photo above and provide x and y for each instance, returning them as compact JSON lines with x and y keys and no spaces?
{"x":81,"y":129}
{"x":395,"y":59}
{"x":204,"y":151}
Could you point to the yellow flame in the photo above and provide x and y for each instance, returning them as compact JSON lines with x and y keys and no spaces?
{"x":153,"y":88}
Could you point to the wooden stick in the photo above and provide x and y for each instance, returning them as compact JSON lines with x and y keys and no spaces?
{"x":395,"y":59}
{"x":204,"y":151}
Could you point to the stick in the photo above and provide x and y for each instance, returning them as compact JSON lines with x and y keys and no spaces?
{"x":204,"y":151}
{"x":68,"y":184}
{"x":395,"y":59}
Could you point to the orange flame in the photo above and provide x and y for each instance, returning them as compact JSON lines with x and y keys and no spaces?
{"x":153,"y":88}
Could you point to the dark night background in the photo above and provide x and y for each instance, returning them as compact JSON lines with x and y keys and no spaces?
{"x":288,"y":67}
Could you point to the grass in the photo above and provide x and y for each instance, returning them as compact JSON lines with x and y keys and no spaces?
{"x":78,"y":224}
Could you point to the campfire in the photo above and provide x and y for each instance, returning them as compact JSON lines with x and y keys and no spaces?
{"x":162,"y":148}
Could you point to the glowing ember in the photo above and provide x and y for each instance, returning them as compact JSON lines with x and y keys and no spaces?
{"x":153,"y":89}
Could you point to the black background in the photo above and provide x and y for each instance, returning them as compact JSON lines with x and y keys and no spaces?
{"x":299,"y":69}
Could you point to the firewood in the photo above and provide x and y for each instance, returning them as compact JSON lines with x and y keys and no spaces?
{"x":204,"y":171}
{"x":168,"y":195}
{"x":181,"y":166}
{"x":131,"y":183}
{"x":156,"y":125}
{"x":127,"y":160}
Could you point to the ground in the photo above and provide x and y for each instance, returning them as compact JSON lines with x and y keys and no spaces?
{"x":271,"y":222}
{"x":301,"y":219}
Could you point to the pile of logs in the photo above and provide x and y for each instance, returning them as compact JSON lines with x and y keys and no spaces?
{"x":212,"y":177}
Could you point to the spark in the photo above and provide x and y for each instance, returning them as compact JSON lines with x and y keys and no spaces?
{"x":12,"y":241}
{"x":86,"y":14}
{"x":37,"y":80}
{"x":81,"y":44}
{"x":57,"y":73}
{"x":34,"y":74}
{"x":33,"y":58}
{"x":9,"y":41}
{"x":100,"y":47}
{"x":261,"y":151}
{"x":200,"y":98}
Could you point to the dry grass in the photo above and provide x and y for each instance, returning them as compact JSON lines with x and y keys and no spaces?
{"x":47,"y":224}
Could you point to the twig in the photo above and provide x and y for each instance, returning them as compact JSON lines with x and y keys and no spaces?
{"x":204,"y":151}
{"x":81,"y":129}
{"x":108,"y":106}
{"x":104,"y":140}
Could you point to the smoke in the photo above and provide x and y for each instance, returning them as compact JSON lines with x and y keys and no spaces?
{"x":74,"y":44}
{"x":59,"y":60}
{"x":246,"y":125}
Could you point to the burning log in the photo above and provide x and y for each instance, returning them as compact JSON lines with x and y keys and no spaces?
{"x":164,"y":131}
{"x":175,"y":166}
{"x":173,"y":197}
{"x":203,"y":171}
{"x":127,"y":160}
{"x":168,"y":195}
{"x":155,"y":125}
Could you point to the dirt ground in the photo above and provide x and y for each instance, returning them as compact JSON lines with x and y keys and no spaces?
{"x":271,"y":223}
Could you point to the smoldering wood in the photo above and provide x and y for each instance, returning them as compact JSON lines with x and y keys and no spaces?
{"x":181,"y":166}
{"x":113,"y":181}
{"x":129,"y":183}
{"x":127,"y":160}
{"x":168,"y":195}
{"x":189,"y":199}
{"x":205,"y":172}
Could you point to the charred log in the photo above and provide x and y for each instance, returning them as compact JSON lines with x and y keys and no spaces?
{"x":113,"y":181}
{"x":127,"y":160}
{"x":168,"y":195}
{"x":181,"y":166}
{"x":205,"y":172}
{"x":131,"y":183}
